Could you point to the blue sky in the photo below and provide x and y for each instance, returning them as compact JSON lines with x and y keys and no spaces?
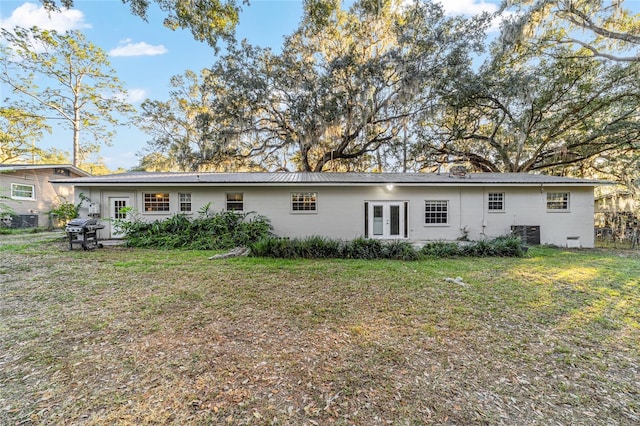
{"x":146,"y":54}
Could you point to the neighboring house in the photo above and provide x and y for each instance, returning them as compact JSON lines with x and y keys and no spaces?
{"x":27,"y":193}
{"x":415,"y":207}
{"x":617,"y":215}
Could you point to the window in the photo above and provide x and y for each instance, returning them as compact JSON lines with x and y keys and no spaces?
{"x":119,"y":209}
{"x":304,"y":201}
{"x":23,"y":192}
{"x":496,"y":201}
{"x":185,"y":202}
{"x":436,"y":212}
{"x":235,"y":201}
{"x":557,"y":201}
{"x":156,"y":202}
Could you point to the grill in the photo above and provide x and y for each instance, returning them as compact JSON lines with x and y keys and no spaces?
{"x":83,"y":232}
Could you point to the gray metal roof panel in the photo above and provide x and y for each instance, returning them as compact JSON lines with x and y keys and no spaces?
{"x":297,"y":178}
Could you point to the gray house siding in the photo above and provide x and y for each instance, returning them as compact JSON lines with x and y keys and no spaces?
{"x":341,"y":212}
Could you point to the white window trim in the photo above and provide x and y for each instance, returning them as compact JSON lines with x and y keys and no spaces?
{"x":292,"y":211}
{"x":156,"y":212}
{"x":434,"y":225}
{"x":502,"y":210}
{"x":180,"y":202}
{"x":33,"y":192}
{"x":550,"y":210}
{"x":226,"y":202}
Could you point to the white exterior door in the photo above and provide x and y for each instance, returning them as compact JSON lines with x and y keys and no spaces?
{"x":117,"y":204}
{"x":386,"y":219}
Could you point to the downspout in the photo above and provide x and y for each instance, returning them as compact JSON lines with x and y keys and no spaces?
{"x":484,"y":211}
{"x":460,"y":208}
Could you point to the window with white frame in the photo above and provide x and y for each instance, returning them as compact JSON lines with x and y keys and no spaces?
{"x":235,"y":201}
{"x":23,"y":192}
{"x":557,"y":201}
{"x":304,"y":202}
{"x":185,"y":202}
{"x":495,"y":202}
{"x":436,"y":212}
{"x":156,"y":202}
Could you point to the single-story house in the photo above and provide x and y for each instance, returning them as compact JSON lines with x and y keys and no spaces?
{"x":416,"y":207}
{"x":27,"y":194}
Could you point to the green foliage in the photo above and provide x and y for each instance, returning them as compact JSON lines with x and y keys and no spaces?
{"x":363,"y":248}
{"x":346,"y":83}
{"x":64,"y":211}
{"x":19,"y":131}
{"x":504,"y":246}
{"x":316,"y":247}
{"x":441,"y":249}
{"x":186,"y":133}
{"x":400,"y":250}
{"x":63,"y":76}
{"x":208,"y":20}
{"x":7,"y":217}
{"x":209,"y":231}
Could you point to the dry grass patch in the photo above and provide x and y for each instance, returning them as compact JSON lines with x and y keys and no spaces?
{"x":122,"y":336}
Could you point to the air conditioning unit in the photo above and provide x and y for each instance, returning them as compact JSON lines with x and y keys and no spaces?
{"x":528,"y":234}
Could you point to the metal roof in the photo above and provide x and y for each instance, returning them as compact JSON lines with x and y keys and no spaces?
{"x":17,"y":167}
{"x":326,"y":178}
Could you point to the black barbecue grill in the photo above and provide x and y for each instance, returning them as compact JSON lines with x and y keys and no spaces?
{"x":83,"y":232}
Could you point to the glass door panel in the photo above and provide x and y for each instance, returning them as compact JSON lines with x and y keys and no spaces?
{"x":394,"y":219}
{"x":378,"y":220}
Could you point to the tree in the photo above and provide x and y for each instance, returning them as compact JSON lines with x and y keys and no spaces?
{"x":208,"y":20}
{"x":18,"y":134}
{"x":53,"y":156}
{"x":80,"y":88}
{"x":558,"y":114}
{"x":345,"y":85}
{"x":597,"y":28}
{"x":187,"y":134}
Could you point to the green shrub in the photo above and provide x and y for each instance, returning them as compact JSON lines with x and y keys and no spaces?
{"x":400,"y":250}
{"x":273,"y":247}
{"x":505,"y":246}
{"x":209,"y":231}
{"x":482,"y":248}
{"x":441,"y":249}
{"x":363,"y":248}
{"x":316,"y":247}
{"x":509,"y":246}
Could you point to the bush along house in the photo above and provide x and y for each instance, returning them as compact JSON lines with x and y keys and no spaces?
{"x":416,"y":207}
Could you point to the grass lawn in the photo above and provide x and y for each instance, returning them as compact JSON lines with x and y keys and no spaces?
{"x":129,"y":336}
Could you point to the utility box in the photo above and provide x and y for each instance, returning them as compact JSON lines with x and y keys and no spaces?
{"x":94,"y":208}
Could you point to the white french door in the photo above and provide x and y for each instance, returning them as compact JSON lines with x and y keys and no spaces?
{"x":386,"y":219}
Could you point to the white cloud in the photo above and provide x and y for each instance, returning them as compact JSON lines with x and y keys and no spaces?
{"x":28,"y":15}
{"x":467,"y":7}
{"x":136,"y":95}
{"x":127,"y":48}
{"x":475,"y":7}
{"x":131,"y":96}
